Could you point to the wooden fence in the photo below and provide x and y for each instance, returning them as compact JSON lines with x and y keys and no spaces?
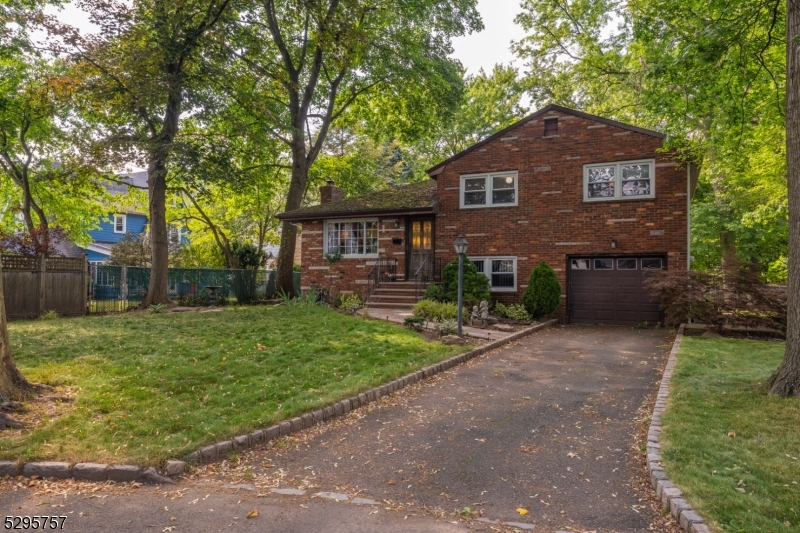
{"x":35,"y":285}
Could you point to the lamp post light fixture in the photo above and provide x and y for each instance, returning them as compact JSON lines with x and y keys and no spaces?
{"x":460,"y":245}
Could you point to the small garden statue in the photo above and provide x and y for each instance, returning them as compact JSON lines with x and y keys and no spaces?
{"x":484,"y":312}
{"x":476,"y":315}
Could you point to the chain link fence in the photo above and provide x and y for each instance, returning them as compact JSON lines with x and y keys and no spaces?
{"x":119,"y":288}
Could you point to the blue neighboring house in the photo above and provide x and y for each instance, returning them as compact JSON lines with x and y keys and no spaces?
{"x":115,"y":225}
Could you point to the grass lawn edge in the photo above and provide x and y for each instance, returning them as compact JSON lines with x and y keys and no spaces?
{"x":222,"y":449}
{"x":726,"y":446}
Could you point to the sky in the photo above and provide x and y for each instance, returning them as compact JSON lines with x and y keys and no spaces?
{"x":491,"y":46}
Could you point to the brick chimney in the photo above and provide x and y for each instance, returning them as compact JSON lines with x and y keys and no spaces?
{"x":330,"y":193}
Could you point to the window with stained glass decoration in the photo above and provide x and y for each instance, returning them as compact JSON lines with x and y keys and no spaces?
{"x":601,"y":182}
{"x":487,"y":190}
{"x":619,"y":181}
{"x":636,"y":180}
{"x":352,"y":238}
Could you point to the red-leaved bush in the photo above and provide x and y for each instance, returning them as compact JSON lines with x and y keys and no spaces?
{"x":742,"y":299}
{"x":43,"y":241}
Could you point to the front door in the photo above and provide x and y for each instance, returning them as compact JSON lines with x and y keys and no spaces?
{"x":420,"y":249}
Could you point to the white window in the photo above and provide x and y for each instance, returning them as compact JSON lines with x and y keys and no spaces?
{"x":501,"y":271}
{"x":174,"y":234}
{"x":487,"y":190}
{"x":625,"y":180}
{"x":120,"y":223}
{"x":353,"y":238}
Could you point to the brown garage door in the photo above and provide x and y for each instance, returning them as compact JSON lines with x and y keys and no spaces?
{"x":608,"y":290}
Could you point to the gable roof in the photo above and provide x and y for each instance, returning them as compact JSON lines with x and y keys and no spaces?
{"x":417,"y":198}
{"x":552,"y":107}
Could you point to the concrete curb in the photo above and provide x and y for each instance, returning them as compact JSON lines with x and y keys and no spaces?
{"x":220,"y":450}
{"x":671,"y":496}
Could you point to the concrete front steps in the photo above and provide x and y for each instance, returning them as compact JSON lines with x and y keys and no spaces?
{"x":396,"y":295}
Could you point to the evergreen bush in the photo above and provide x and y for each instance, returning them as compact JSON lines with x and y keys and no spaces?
{"x":435,"y":293}
{"x":543,"y":293}
{"x":476,"y":285}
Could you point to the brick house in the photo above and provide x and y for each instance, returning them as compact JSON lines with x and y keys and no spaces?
{"x":597,"y":199}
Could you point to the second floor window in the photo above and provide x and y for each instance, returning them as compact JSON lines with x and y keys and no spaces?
{"x":625,"y":180}
{"x":120,"y":223}
{"x":488,"y":190}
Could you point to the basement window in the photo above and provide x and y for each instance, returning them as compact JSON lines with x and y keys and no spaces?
{"x":501,"y":271}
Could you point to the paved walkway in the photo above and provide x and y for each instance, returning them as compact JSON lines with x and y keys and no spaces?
{"x":399,"y":315}
{"x":544,"y":425}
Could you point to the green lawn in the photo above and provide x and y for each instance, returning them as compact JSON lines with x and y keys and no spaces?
{"x":155,"y":386}
{"x":733,"y":450}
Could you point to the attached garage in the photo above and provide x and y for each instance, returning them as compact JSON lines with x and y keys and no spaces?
{"x":609,"y":290}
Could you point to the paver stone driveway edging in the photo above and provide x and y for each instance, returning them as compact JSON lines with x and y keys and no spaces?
{"x":221,"y":450}
{"x":671,"y":496}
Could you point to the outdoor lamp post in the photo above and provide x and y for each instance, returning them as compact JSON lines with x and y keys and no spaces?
{"x":460,"y":245}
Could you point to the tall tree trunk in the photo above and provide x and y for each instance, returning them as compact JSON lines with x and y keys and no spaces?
{"x":786,"y":379}
{"x":157,"y":290}
{"x":12,"y":382}
{"x":294,"y":198}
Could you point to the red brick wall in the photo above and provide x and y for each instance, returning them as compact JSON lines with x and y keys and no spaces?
{"x":551,"y":212}
{"x":348,"y":275}
{"x":551,"y":220}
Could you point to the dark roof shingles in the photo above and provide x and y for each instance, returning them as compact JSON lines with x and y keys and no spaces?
{"x":414,"y":196}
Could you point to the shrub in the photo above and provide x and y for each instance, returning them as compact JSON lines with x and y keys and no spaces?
{"x":434,"y":311}
{"x":741,"y":300}
{"x":435,"y":293}
{"x":514,"y":311}
{"x":49,"y":315}
{"x":447,"y":326}
{"x":156,"y":308}
{"x":543,"y":293}
{"x":414,"y":322}
{"x":306,"y":299}
{"x":476,"y":285}
{"x":351,"y":303}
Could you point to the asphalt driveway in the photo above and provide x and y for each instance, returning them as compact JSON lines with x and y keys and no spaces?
{"x":545,"y":425}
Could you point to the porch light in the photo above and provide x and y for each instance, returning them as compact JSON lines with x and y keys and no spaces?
{"x":460,"y":245}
